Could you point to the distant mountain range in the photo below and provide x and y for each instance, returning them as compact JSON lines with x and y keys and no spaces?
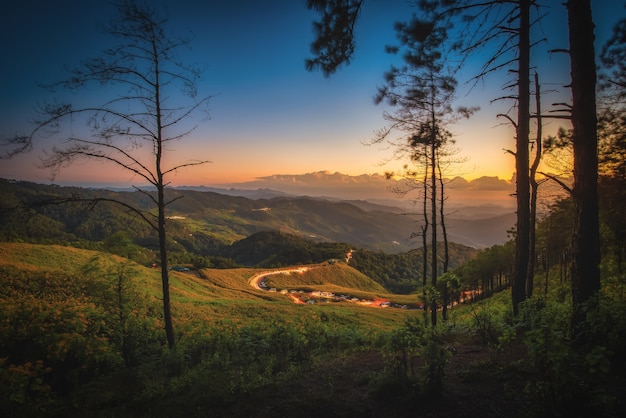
{"x":473,"y":226}
{"x":376,"y":188}
{"x":227,"y":215}
{"x":254,"y":194}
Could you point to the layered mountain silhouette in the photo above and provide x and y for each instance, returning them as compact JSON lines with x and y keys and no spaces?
{"x":226,"y":217}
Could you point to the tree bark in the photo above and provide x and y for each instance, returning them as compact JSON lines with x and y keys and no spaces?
{"x":446,"y":249}
{"x":165,"y":281}
{"x":433,"y":209}
{"x":585,"y":267}
{"x":425,"y":228}
{"x":518,"y":289}
{"x":532,"y":252}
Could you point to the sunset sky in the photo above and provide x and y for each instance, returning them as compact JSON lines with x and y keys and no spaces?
{"x":268,"y":115}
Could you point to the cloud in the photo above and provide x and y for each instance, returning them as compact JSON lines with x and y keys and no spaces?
{"x":325,"y":183}
{"x":376,"y":186}
{"x":485,"y":183}
{"x":323,"y":178}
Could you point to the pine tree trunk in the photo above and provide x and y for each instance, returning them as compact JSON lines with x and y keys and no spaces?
{"x":532,"y":251}
{"x":586,"y":246}
{"x":165,"y":283}
{"x":446,"y":249}
{"x":425,"y":228}
{"x":518,"y":289}
{"x":433,"y":214}
{"x":160,"y":185}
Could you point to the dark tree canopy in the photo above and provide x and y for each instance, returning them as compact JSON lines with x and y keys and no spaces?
{"x":334,"y":44}
{"x":613,"y":58}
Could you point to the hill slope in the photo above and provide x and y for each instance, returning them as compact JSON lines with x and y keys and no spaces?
{"x":54,"y":272}
{"x":207,"y":220}
{"x":83,"y":329}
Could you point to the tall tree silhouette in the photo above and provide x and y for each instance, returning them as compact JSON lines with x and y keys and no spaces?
{"x":586,"y":245}
{"x":422,"y":92}
{"x":505,"y":24}
{"x":612,"y":138}
{"x":132,"y":126}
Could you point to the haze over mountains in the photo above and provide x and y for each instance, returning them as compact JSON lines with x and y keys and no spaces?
{"x":479,"y":212}
{"x":375,"y":188}
{"x":353,"y":213}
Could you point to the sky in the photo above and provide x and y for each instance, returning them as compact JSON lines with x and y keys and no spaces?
{"x":268,"y":115}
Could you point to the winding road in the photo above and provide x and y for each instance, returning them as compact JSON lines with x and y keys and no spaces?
{"x":256,"y":280}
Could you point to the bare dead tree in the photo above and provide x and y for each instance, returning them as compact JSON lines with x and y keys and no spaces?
{"x":132,"y":127}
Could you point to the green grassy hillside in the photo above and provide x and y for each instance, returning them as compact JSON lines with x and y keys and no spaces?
{"x":209,"y":295}
{"x":340,"y":279}
{"x":81,"y":334}
{"x":72,"y":317}
{"x":338,"y":274}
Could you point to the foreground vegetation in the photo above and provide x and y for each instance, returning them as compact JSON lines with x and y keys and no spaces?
{"x":81,"y":335}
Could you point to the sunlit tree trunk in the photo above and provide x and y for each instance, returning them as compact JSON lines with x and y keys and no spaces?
{"x":426,"y":223}
{"x":532,"y":256}
{"x":446,"y":250}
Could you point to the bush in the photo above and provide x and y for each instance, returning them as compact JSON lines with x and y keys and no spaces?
{"x":575,"y":376}
{"x":400,"y":349}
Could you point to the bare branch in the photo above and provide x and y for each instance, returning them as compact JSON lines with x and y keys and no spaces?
{"x":557,"y":181}
{"x":507,"y":117}
{"x":190,"y":164}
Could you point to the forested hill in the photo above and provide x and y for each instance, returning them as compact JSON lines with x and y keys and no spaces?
{"x":216,"y":219}
{"x":212,"y":230}
{"x":209,"y":217}
{"x":398,"y":273}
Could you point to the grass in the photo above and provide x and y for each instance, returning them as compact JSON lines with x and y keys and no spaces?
{"x":248,"y":352}
{"x":338,"y":274}
{"x":214,"y":295}
{"x":44,"y":257}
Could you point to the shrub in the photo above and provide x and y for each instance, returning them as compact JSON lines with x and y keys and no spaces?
{"x":574,"y":376}
{"x":401,"y":350}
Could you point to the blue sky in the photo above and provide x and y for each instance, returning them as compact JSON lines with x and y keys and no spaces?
{"x":268,"y":114}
